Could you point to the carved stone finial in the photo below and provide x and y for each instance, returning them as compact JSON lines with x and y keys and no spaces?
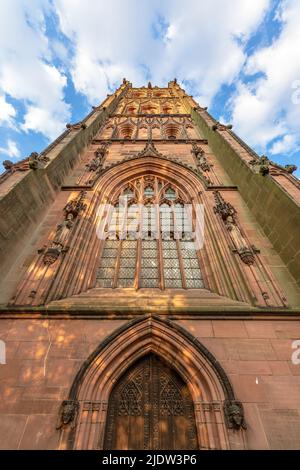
{"x":264,"y":165}
{"x":33,"y":161}
{"x":224,"y":209}
{"x":124,"y":81}
{"x":234,"y":415}
{"x":67,"y":414}
{"x":291,"y":168}
{"x":149,"y":151}
{"x":221,"y":127}
{"x":175,"y":80}
{"x":36,"y":160}
{"x":77,"y":126}
{"x":8,"y":165}
{"x":149,"y":85}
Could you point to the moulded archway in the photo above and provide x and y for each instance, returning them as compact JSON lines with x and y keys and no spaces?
{"x":206,"y":380}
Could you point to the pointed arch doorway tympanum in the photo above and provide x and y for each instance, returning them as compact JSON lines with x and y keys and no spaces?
{"x":150,"y":408}
{"x":151,"y":385}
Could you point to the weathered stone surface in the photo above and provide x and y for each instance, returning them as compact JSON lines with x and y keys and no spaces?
{"x":68,"y":341}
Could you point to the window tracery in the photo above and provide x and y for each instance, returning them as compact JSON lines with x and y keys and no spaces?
{"x":156,"y":249}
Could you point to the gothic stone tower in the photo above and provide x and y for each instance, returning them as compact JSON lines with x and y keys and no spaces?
{"x":140,"y":342}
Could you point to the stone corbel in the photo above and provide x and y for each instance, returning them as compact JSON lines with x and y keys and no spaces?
{"x":76,"y":126}
{"x":221,"y":127}
{"x":11,"y":167}
{"x":290,"y":168}
{"x":200,"y":108}
{"x":67,"y":415}
{"x":37,"y":161}
{"x":261,"y":165}
{"x":234,"y":415}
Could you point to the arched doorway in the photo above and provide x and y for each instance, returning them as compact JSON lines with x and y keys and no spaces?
{"x":150,"y":408}
{"x":88,"y":420}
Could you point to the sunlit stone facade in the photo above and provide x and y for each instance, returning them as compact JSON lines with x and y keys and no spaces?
{"x":142,"y":338}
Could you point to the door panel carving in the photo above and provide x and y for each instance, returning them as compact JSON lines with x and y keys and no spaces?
{"x":150,"y":408}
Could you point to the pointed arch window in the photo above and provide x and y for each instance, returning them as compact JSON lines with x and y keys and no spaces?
{"x":156,"y":250}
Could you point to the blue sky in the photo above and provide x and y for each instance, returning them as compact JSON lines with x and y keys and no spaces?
{"x":241,"y":58}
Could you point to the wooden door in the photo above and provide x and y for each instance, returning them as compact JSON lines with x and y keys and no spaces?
{"x":150,"y":408}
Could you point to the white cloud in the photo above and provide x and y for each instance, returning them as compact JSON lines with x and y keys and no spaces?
{"x":288,"y":144}
{"x":266,"y":109}
{"x":111,"y":40}
{"x":202,"y":43}
{"x":25,"y":72}
{"x":11,"y":149}
{"x":7,"y":113}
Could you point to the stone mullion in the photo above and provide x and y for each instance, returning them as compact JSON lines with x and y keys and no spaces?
{"x":178,"y":247}
{"x":139,"y":249}
{"x":160,"y":249}
{"x":117,"y":265}
{"x":202,"y":254}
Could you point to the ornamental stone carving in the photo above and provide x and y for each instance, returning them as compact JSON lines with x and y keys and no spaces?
{"x":63,"y":230}
{"x":67,"y":414}
{"x":37,"y":160}
{"x":234,"y":415}
{"x":229,"y":216}
{"x":221,"y":127}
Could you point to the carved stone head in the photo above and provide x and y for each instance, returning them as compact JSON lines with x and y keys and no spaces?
{"x":234,"y":415}
{"x":8,"y":164}
{"x":67,"y":413}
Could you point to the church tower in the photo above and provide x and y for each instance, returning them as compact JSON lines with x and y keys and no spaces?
{"x":150,"y":285}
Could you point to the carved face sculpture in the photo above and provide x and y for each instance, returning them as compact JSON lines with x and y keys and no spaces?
{"x":68,"y":413}
{"x":235,"y":416}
